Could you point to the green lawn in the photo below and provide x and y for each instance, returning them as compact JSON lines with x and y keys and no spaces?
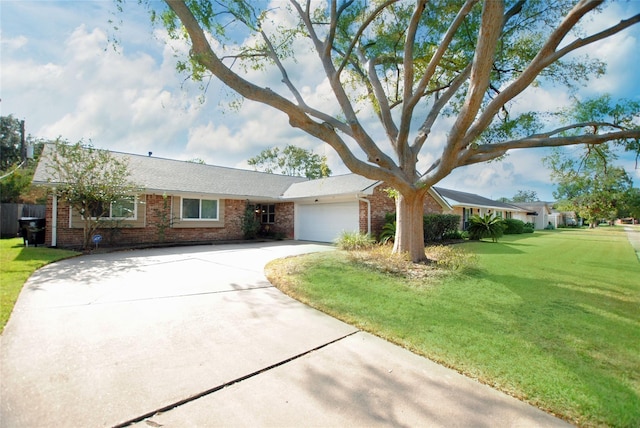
{"x":17,"y":263}
{"x":552,"y":318}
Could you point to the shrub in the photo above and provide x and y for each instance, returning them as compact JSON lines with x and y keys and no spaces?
{"x":250,"y":224}
{"x":452,"y":257}
{"x":487,"y":226}
{"x":388,"y":232}
{"x":436,"y":226}
{"x":354,"y":241}
{"x":513,"y":226}
{"x":528,"y":228}
{"x":455,"y":235}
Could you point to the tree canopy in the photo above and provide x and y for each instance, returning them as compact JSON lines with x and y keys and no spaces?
{"x":462,"y":65}
{"x":291,"y":160}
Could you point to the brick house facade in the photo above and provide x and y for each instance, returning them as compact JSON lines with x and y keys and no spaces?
{"x":162,"y":212}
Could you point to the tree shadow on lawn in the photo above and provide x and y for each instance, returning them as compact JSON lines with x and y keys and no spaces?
{"x":586,"y":341}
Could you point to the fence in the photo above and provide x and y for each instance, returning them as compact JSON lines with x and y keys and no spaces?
{"x":10,"y":213}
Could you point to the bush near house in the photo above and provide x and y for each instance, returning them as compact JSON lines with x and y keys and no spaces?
{"x":513,"y":226}
{"x":487,"y":226}
{"x":354,"y":241}
{"x":436,"y":227}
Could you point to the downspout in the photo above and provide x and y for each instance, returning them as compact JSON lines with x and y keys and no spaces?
{"x":368,"y":202}
{"x":54,"y":219}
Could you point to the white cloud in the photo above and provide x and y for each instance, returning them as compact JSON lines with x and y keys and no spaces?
{"x":13,"y":43}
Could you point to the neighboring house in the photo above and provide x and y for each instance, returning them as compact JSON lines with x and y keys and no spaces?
{"x":190,"y":202}
{"x":468,"y":204}
{"x":541,"y":214}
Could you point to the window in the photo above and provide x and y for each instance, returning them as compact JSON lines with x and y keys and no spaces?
{"x":199,"y":209}
{"x":267,"y":213}
{"x":124,"y":208}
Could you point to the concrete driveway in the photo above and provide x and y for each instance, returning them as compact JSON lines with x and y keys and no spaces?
{"x":197,"y":336}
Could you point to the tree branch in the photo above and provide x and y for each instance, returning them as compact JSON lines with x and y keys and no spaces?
{"x":546,"y":56}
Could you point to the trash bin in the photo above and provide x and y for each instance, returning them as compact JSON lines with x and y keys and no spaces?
{"x":32,"y":230}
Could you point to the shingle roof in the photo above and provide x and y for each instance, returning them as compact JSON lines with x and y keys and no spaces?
{"x":455,"y":197}
{"x":165,"y":175}
{"x":330,"y":186}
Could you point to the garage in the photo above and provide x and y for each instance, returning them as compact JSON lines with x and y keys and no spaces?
{"x":324,"y":222}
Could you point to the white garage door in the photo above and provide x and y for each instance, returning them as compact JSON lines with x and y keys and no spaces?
{"x":325,"y":222}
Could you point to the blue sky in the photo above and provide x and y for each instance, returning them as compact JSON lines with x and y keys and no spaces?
{"x":60,"y":72}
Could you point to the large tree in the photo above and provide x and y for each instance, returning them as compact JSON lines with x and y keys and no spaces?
{"x":291,"y":160}
{"x":413,"y":65}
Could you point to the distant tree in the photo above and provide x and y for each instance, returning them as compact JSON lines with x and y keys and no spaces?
{"x":16,"y":175}
{"x":11,"y":130}
{"x":92,"y":181}
{"x":629,"y":206}
{"x":14,"y":184}
{"x":525,"y":196}
{"x":589,"y":185}
{"x":292,"y":160}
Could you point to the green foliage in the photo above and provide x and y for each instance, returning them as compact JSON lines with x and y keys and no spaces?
{"x":351,"y":241}
{"x":528,"y":228}
{"x":436,"y":226}
{"x":388,"y":233}
{"x":487,"y":226}
{"x":591,"y":186}
{"x":11,"y":130}
{"x":89,"y":180}
{"x":15,"y":184}
{"x":292,"y":160}
{"x":250,"y":223}
{"x":513,"y":226}
{"x":629,"y":205}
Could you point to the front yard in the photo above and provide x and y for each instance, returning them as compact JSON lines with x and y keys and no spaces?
{"x":552,"y":318}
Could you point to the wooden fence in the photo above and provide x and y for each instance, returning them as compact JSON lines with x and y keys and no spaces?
{"x":10,"y":213}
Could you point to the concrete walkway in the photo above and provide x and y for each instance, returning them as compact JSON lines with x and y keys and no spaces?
{"x":196,"y":336}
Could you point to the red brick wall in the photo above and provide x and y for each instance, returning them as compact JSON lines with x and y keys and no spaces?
{"x":284,"y":219}
{"x":123,"y":235}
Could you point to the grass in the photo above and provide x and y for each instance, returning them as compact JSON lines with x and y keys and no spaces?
{"x":552,"y":318}
{"x":17,"y":263}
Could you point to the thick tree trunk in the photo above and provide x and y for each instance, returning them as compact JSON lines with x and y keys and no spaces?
{"x":409,"y":225}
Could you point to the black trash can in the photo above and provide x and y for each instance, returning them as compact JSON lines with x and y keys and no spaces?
{"x":32,"y":230}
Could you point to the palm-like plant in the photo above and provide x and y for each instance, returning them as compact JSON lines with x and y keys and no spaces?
{"x":487,"y":226}
{"x":388,"y":232}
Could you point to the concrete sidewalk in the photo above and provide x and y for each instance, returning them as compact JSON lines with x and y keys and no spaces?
{"x":197,"y":336}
